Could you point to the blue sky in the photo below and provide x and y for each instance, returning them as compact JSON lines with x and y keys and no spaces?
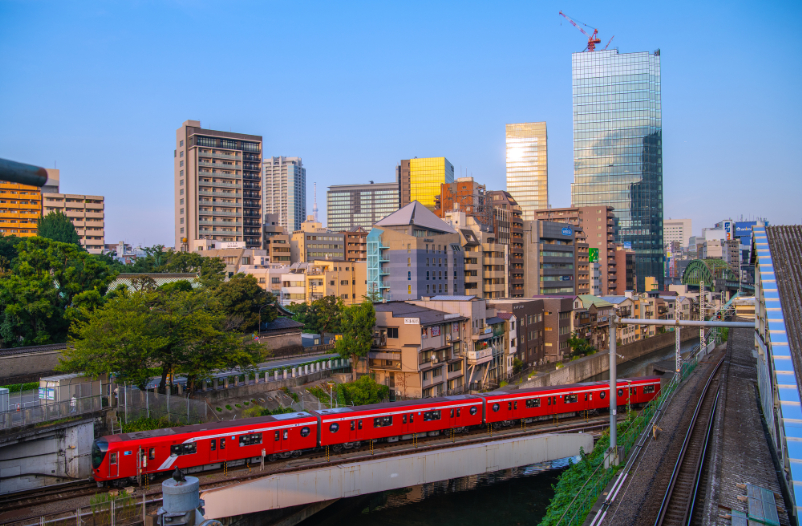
{"x":352,"y":87}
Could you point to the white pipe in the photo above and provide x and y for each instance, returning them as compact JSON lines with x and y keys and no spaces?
{"x":688,"y":323}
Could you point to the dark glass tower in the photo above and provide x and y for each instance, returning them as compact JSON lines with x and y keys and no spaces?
{"x":618,"y":148}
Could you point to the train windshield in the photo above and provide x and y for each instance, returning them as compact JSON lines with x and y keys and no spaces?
{"x":99,"y":449}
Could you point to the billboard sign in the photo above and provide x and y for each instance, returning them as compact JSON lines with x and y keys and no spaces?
{"x":628,"y":245}
{"x":744,"y":228}
{"x":567,"y":231}
{"x":593,"y":255}
{"x":728,"y":233}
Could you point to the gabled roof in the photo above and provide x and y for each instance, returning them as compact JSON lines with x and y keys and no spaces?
{"x":416,"y":214}
{"x":427,"y":316}
{"x":281,"y":324}
{"x":615,"y":300}
{"x":590,"y":299}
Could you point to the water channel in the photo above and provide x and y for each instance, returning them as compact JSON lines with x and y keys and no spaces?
{"x":516,"y":497}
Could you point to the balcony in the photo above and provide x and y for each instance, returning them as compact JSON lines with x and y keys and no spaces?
{"x":230,"y":157}
{"x":218,"y":213}
{"x":480,"y":357}
{"x":220,"y":194}
{"x":385,"y":365}
{"x":233,"y":186}
{"x":380,"y":340}
{"x":220,"y":166}
{"x":493,"y":261}
{"x":219,"y":223}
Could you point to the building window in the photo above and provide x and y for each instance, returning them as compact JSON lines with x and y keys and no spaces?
{"x":181,"y":143}
{"x":182,"y":230}
{"x":427,"y":276}
{"x":182,"y":210}
{"x":182,"y":201}
{"x":182,"y":163}
{"x":409,"y":276}
{"x":392,"y":332}
{"x":182,"y":220}
{"x":181,"y":154}
{"x":182,"y":173}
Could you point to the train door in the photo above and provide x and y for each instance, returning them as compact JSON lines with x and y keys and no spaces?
{"x":452,"y":417}
{"x":281,"y":440}
{"x":406,"y":423}
{"x":214,"y":452}
{"x":114,"y":465}
{"x":355,"y":430}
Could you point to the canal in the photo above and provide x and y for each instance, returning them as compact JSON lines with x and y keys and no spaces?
{"x":515,"y":497}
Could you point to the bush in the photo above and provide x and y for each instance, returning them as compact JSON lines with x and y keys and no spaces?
{"x":238,"y":406}
{"x":147,"y":424}
{"x":558,"y":365}
{"x":220,"y":409}
{"x":259,"y":411}
{"x":246,"y":403}
{"x":517,"y":365}
{"x":289,"y":393}
{"x":16,"y":388}
{"x":228,"y":407}
{"x":364,"y":391}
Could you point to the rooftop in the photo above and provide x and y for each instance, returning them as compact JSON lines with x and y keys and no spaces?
{"x":418,"y":215}
{"x":426,"y":316}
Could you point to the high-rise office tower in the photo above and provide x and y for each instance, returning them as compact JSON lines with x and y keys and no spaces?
{"x":618,"y":148}
{"x":218,"y":190}
{"x":420,"y":179}
{"x":285,"y":190}
{"x":350,"y":206}
{"x":528,"y":166}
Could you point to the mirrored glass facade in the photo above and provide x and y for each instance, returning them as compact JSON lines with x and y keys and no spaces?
{"x":426,"y":176}
{"x":355,"y":205}
{"x":618,"y":148}
{"x":528,"y":166}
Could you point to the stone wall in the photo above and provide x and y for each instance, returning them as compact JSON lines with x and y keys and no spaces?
{"x":19,"y":367}
{"x":280,"y":341}
{"x":584,"y":368}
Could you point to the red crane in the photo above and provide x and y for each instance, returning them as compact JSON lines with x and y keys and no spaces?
{"x":592,"y":39}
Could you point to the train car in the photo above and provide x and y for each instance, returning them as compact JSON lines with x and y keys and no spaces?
{"x":347,"y":427}
{"x":204,"y":446}
{"x":505,"y":406}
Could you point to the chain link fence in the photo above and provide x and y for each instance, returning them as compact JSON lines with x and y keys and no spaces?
{"x":35,"y":406}
{"x":135,"y":404}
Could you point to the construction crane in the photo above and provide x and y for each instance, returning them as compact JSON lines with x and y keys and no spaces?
{"x":592,"y":39}
{"x":608,"y":42}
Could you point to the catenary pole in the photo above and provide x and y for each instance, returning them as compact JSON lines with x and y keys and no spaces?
{"x":613,"y":385}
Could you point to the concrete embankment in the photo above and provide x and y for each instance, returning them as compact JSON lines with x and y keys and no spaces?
{"x":584,"y":368}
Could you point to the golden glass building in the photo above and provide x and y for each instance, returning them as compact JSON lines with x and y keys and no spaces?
{"x":420,"y":179}
{"x":20,"y":208}
{"x":528,"y":166}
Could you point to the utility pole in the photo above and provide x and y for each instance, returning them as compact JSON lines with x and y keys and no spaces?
{"x":613,"y":386}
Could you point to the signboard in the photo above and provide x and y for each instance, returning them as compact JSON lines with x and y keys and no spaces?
{"x":411,"y":321}
{"x":230,"y":244}
{"x":567,"y":231}
{"x":488,"y":330}
{"x":436,"y":330}
{"x":47,"y":393}
{"x":566,"y":278}
{"x":628,"y":245}
{"x":728,"y":230}
{"x":744,"y":228}
{"x":593,"y":255}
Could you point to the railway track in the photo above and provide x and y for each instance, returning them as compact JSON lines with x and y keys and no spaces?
{"x":678,"y":502}
{"x":32,"y":497}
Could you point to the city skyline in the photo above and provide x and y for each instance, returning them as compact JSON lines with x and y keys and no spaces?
{"x":328,"y":126}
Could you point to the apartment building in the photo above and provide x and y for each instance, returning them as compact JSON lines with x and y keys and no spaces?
{"x":626,"y":265}
{"x":501,"y":200}
{"x":235,"y":254}
{"x":463,"y":195}
{"x":276,"y":241}
{"x":21,"y":205}
{"x":557,"y":326}
{"x":218,"y":186}
{"x":529,"y":338}
{"x":598,"y":225}
{"x":313,"y":241}
{"x":623,"y":307}
{"x":87,"y":213}
{"x":413,"y":253}
{"x":268,"y":276}
{"x":550,"y":255}
{"x":486,"y":260}
{"x":350,"y":206}
{"x":345,"y":280}
{"x":356,"y":244}
{"x":416,"y":350}
{"x":592,"y":320}
{"x":284,"y":180}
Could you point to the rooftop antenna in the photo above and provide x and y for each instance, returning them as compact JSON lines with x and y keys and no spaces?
{"x":314,"y":206}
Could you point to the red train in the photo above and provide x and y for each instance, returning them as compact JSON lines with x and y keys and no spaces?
{"x":120,"y":458}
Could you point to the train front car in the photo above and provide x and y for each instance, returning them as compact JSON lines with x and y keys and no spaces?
{"x":348,"y":427}
{"x":128,"y":456}
{"x":504,"y":407}
{"x":641,"y":390}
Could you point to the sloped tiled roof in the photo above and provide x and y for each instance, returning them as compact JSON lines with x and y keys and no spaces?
{"x":400,"y":309}
{"x":416,"y":214}
{"x":281,"y":324}
{"x":590,"y":299}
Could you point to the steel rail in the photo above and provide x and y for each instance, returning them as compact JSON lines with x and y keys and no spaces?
{"x":685,"y":443}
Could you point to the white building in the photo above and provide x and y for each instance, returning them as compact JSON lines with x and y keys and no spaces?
{"x":284,"y":187}
{"x":678,"y":230}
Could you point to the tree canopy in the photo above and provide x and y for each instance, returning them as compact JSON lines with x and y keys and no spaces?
{"x":58,"y":227}
{"x":357,"y":329}
{"x":241,"y":299}
{"x":322,"y":315}
{"x":48,"y":285}
{"x":156,"y":260}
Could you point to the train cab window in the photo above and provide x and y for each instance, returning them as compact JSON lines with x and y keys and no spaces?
{"x":213,"y":446}
{"x":334,"y":427}
{"x":620,"y":392}
{"x":305,"y":431}
{"x":175,"y":450}
{"x":383,"y":421}
{"x":473,"y":410}
{"x":404,"y":419}
{"x":152,"y":454}
{"x":252,"y":439}
{"x":496,"y":407}
{"x":533,"y":402}
{"x":189,"y":449}
{"x":648,"y":389}
{"x":571,"y":399}
{"x":112,"y":458}
{"x":431,"y":415}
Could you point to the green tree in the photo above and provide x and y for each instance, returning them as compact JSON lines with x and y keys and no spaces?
{"x":357,"y":328}
{"x":374,"y":296}
{"x":8,"y":251}
{"x":364,"y":391}
{"x":241,"y":299}
{"x":58,"y":227}
{"x":579,"y":346}
{"x":211,"y":270}
{"x":517,"y":365}
{"x":49,"y":284}
{"x":323,"y":315}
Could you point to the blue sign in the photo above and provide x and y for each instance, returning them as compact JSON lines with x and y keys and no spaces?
{"x":567,"y":278}
{"x":628,"y":245}
{"x":744,"y":228}
{"x":567,"y":231}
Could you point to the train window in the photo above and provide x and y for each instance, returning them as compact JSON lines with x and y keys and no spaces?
{"x":334,"y":427}
{"x":191,"y":448}
{"x":222,"y":443}
{"x":431,"y":415}
{"x":533,"y":402}
{"x":586,"y":397}
{"x":509,"y":406}
{"x":152,"y":454}
{"x":175,"y":450}
{"x":571,"y":399}
{"x":496,"y":407}
{"x":473,"y":410}
{"x":305,"y":431}
{"x":404,"y":419}
{"x":214,"y":444}
{"x":633,"y":390}
{"x":548,"y":401}
{"x":252,"y":439}
{"x":458,"y":412}
{"x":451,"y":414}
{"x":411,"y":417}
{"x":360,"y":424}
{"x":603,"y":395}
{"x":353,"y":425}
{"x":286,"y":436}
{"x":276,"y":436}
{"x":383,"y":421}
{"x":515,"y":405}
{"x":112,"y":458}
{"x":620,"y":392}
{"x":648,"y":389}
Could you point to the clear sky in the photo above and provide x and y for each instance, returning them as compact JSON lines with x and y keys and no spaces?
{"x":98,"y":89}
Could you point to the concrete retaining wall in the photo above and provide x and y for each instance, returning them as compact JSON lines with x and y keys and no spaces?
{"x":27,"y":367}
{"x":582,"y":369}
{"x":251,"y":389}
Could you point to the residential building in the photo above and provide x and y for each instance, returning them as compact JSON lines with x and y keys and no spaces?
{"x":598,"y":223}
{"x":21,"y":205}
{"x":218,"y":187}
{"x":550,"y":267}
{"x":413,"y":253}
{"x":677,"y":230}
{"x":484,"y":339}
{"x":268,"y":277}
{"x":618,"y":151}
{"x":623,"y":307}
{"x":650,"y":284}
{"x":529,"y":339}
{"x":350,"y":206}
{"x":486,"y":260}
{"x":627,"y":270}
{"x":463,"y":195}
{"x":420,"y":180}
{"x":581,"y":261}
{"x":557,"y":325}
{"x":234,"y":254}
{"x":344,"y":280}
{"x":284,"y":180}
{"x":595,"y":278}
{"x":87,"y":213}
{"x":276,"y":240}
{"x":528,"y":166}
{"x":645,"y":308}
{"x":356,"y":244}
{"x":313,"y":241}
{"x":592,"y":320}
{"x":501,"y":200}
{"x":416,"y":350}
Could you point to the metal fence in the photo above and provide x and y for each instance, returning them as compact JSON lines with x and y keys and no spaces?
{"x":134,"y":404}
{"x":26,"y":407}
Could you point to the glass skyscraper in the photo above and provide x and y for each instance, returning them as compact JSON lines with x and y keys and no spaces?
{"x":618,"y":148}
{"x":353,"y":205}
{"x":528,"y":166}
{"x":420,"y":179}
